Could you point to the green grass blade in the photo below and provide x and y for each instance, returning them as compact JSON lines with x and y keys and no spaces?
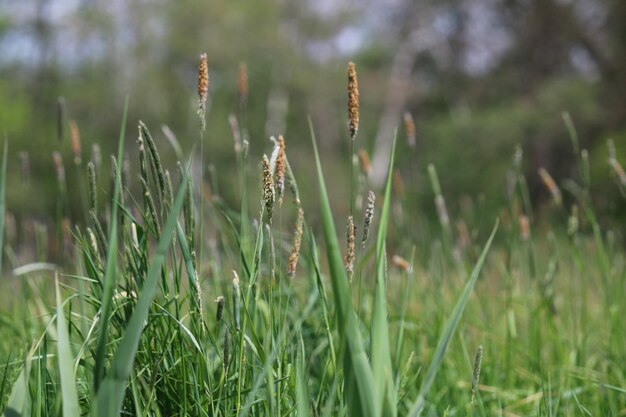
{"x":3,"y":178}
{"x":111,"y":265}
{"x":19,"y":404}
{"x":362,"y":399}
{"x":302,"y":395}
{"x":66,"y":362}
{"x":448,"y":331}
{"x":381,"y":353}
{"x":111,"y":394}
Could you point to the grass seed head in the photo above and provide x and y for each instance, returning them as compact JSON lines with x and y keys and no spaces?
{"x":268,"y":188}
{"x":235,"y":131}
{"x":364,"y":162}
{"x":476,"y":371}
{"x":203,"y":89}
{"x":93,"y":191}
{"x":242,"y":83}
{"x":280,"y":170}
{"x":350,"y":238}
{"x":524,"y":227}
{"x":369,"y":216}
{"x":409,"y":127}
{"x":549,"y":183}
{"x":297,"y":242}
{"x":353,"y":100}
{"x":58,"y":166}
{"x":220,"y":308}
{"x":236,"y":295}
{"x":401,"y":263}
{"x":75,"y":142}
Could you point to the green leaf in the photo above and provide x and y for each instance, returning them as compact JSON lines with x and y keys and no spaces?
{"x":381,"y":353}
{"x":361,"y":396}
{"x":111,"y":264}
{"x":449,"y":329}
{"x":66,"y":362}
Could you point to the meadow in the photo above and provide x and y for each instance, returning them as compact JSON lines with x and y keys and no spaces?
{"x":175,"y":302}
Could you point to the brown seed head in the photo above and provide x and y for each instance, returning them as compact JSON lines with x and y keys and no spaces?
{"x":58,"y":166}
{"x":409,"y":127}
{"x":242,"y":82}
{"x":75,"y":141}
{"x":549,"y":183}
{"x":524,"y":227}
{"x":353,"y":100}
{"x":203,"y":88}
{"x":281,"y":160}
{"x":398,"y":184}
{"x":297,"y":242}
{"x":364,"y":162}
{"x":401,"y":263}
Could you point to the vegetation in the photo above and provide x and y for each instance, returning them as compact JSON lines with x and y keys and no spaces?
{"x":524,"y":321}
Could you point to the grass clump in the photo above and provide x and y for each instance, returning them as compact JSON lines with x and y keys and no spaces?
{"x":128,"y":331}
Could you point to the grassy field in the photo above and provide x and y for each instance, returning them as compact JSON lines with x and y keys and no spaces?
{"x":177,"y":304}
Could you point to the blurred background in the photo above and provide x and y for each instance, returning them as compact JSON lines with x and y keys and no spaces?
{"x":478,"y":76}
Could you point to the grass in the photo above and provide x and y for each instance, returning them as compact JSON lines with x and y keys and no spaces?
{"x":132,"y":328}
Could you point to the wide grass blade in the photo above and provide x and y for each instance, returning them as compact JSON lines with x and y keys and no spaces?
{"x":361,"y":396}
{"x":381,"y":353}
{"x":111,"y":394}
{"x":449,"y":329}
{"x":110,"y":271}
{"x":69,"y":395}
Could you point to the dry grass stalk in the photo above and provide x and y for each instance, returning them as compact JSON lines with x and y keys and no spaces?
{"x":409,"y":127}
{"x":297,"y":242}
{"x":353,"y":100}
{"x":203,"y":89}
{"x":350,"y":238}
{"x":268,"y":188}
{"x":280,"y":170}
{"x":549,"y":183}
{"x":401,"y":263}
{"x":369,"y":216}
{"x":364,"y":162}
{"x":75,"y":142}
